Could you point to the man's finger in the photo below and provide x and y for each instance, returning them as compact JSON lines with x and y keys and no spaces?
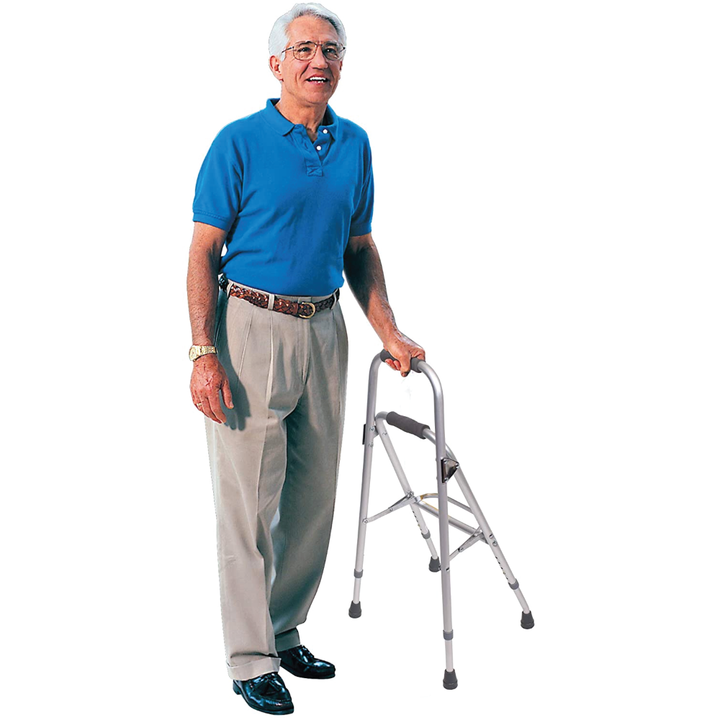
{"x":405,"y":364}
{"x":203,"y":405}
{"x":207,"y":411}
{"x":215,"y":408}
{"x":200,"y":403}
{"x":227,"y":397}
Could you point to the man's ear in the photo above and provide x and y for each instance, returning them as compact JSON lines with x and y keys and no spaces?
{"x":274,"y":63}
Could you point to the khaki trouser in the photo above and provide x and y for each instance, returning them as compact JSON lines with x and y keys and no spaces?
{"x":274,"y":467}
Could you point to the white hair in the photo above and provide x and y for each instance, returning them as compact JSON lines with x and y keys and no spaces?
{"x":278,"y":35}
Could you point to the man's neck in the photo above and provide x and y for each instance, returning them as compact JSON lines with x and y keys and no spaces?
{"x":310,"y":116}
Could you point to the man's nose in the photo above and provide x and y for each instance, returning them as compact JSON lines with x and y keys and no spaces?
{"x":320,"y":61}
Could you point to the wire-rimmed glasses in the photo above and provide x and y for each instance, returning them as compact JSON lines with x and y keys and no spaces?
{"x":306,"y":50}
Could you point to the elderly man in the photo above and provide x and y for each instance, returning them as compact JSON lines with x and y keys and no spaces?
{"x":288,"y":191}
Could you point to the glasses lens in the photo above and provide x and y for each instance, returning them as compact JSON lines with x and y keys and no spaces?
{"x":332,"y":51}
{"x":304,"y":50}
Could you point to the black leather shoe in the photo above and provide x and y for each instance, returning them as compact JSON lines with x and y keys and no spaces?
{"x":266,"y":693}
{"x":302,"y":663}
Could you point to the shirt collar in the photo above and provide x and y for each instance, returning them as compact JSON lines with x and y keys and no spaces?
{"x":283,"y":126}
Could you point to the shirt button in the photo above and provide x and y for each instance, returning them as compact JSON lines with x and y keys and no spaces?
{"x":319,"y":147}
{"x":325,"y":131}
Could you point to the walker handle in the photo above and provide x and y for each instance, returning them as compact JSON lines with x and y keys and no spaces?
{"x":414,"y":362}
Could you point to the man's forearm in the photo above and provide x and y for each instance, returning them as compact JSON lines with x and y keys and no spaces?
{"x":202,"y":289}
{"x":366,"y":279}
{"x":209,"y":381}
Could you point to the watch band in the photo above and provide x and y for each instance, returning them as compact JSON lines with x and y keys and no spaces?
{"x":197,"y":351}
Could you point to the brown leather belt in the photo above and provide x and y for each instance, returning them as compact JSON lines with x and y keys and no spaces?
{"x":302,"y":309}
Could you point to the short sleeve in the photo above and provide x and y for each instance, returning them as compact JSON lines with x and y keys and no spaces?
{"x":361,"y":222}
{"x":219,"y":185}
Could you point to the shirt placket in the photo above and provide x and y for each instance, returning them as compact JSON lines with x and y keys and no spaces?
{"x":314,"y":153}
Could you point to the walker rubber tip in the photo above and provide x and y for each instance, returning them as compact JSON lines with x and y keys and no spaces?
{"x":450,"y":680}
{"x":434,"y":564}
{"x":355,"y":610}
{"x":527,"y":621}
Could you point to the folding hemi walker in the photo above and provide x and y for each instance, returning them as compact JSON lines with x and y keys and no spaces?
{"x":447,"y":468}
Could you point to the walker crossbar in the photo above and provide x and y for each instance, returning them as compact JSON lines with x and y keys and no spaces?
{"x":447,"y":469}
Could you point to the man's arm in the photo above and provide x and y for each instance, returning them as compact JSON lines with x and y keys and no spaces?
{"x":208,"y":376}
{"x":365,"y":277}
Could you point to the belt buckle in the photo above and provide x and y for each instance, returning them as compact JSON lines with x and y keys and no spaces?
{"x":306,"y":317}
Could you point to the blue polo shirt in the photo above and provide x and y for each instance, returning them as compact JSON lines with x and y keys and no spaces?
{"x":289,"y":205}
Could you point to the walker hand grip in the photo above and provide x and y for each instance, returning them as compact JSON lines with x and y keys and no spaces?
{"x":406,"y":424}
{"x":385,"y":355}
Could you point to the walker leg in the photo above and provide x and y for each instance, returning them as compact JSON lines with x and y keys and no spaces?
{"x":369,"y":432}
{"x":355,"y":610}
{"x":526,"y":620}
{"x":450,"y":678}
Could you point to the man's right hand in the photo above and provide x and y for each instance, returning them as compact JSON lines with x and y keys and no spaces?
{"x":208,"y":383}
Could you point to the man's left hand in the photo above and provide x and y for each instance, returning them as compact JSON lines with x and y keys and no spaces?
{"x":403,"y":349}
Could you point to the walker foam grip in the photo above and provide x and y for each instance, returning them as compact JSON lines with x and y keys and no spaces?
{"x":406,"y":424}
{"x":385,"y":355}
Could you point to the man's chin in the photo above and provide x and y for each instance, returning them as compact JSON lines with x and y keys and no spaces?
{"x":318,"y":98}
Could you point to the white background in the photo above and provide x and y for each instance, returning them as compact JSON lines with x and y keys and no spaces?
{"x":547,"y":215}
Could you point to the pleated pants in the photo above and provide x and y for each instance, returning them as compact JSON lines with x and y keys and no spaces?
{"x":274,"y":467}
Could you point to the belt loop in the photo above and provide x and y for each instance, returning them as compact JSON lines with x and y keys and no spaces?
{"x":271,"y":301}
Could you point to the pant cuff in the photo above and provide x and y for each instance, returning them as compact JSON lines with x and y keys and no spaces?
{"x":252,"y":669}
{"x":287,"y":640}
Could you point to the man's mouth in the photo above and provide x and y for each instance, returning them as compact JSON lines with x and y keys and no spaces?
{"x":317,"y":79}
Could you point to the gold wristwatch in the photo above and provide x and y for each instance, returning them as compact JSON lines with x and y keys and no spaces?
{"x":197,"y":351}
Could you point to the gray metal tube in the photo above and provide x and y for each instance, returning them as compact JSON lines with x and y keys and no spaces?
{"x":426,"y":507}
{"x":422,"y":367}
{"x":395,"y":462}
{"x":490,"y":539}
{"x":367,"y":466}
{"x":442,"y":507}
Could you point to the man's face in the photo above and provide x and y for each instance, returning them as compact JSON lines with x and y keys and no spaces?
{"x":308,"y":82}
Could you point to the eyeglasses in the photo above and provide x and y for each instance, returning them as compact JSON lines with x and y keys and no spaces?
{"x":306,"y":50}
